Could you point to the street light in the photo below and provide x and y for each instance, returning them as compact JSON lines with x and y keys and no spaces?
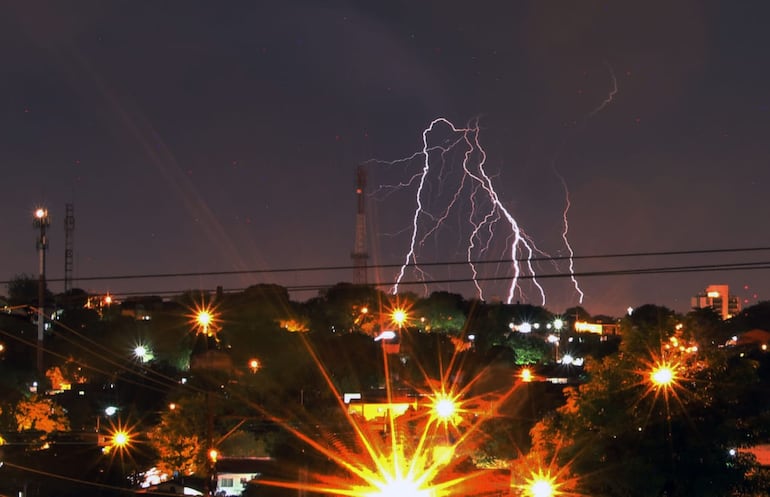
{"x":213,"y":455}
{"x":143,"y":353}
{"x":662,"y":376}
{"x":526,"y":375}
{"x":385,"y":335}
{"x":204,"y":320}
{"x":542,"y":483}
{"x":399,"y":317}
{"x":120,"y":439}
{"x":541,"y":488}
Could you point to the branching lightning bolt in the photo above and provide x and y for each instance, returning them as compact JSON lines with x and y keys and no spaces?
{"x":487,"y":210}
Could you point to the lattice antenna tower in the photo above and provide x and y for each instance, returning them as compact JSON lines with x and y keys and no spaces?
{"x":359,"y":255}
{"x":69,"y":232}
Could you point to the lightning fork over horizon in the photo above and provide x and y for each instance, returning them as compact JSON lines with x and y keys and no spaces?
{"x":567,"y":202}
{"x":452,"y":177}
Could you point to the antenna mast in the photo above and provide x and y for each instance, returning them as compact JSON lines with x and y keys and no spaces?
{"x":359,"y":254}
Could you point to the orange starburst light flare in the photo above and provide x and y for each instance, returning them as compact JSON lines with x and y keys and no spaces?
{"x":204,"y":319}
{"x":399,"y":316}
{"x":662,"y":378}
{"x":541,"y":488}
{"x":663,"y":375}
{"x":400,"y":488}
{"x":120,"y":438}
{"x":445,"y":407}
{"x":542,"y":483}
{"x":526,"y":375}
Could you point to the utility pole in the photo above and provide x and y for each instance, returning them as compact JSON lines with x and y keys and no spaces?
{"x":41,"y":221}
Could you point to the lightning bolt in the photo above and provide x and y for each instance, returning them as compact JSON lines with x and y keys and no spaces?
{"x":565,"y":223}
{"x":487,"y":210}
{"x":610,"y":96}
{"x":567,"y":202}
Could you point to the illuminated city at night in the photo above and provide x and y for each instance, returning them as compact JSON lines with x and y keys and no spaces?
{"x":401,"y":249}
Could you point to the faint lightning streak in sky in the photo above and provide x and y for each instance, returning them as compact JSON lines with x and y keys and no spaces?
{"x":567,"y":202}
{"x":567,"y":205}
{"x":610,"y":96}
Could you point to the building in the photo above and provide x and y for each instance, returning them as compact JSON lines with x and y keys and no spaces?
{"x":234,"y":474}
{"x":718,"y":298}
{"x":599,"y":328}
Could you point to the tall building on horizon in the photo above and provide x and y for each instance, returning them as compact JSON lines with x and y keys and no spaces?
{"x":717,"y":297}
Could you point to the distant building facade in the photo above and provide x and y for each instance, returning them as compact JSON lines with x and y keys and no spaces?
{"x":599,"y":328}
{"x":718,"y":298}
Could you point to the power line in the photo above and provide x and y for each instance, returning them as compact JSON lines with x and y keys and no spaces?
{"x":306,"y":269}
{"x":756,"y":265}
{"x":68,"y":478}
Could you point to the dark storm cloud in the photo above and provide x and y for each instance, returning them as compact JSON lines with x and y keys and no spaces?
{"x":198,"y":136}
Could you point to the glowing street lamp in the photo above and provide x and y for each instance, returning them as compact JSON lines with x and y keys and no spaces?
{"x":140,"y":351}
{"x":254,"y":365}
{"x":542,"y":483}
{"x":143,"y":353}
{"x":662,"y":376}
{"x":385,"y":335}
{"x":541,"y":488}
{"x":204,"y":320}
{"x":399,"y":317}
{"x":445,"y":408}
{"x":120,"y":439}
{"x":526,"y":375}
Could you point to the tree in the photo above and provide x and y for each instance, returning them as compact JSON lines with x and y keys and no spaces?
{"x":443,"y":313}
{"x":40,"y":414}
{"x":23,"y":290}
{"x":708,"y":328}
{"x":527,"y":348}
{"x":628,"y":436}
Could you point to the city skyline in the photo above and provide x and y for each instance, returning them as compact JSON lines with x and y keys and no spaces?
{"x":203,"y":139}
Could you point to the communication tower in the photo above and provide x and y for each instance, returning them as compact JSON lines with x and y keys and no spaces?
{"x":41,"y":221}
{"x":359,"y":254}
{"x":69,"y":232}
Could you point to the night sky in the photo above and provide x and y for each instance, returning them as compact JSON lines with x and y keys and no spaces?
{"x":207,"y":136}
